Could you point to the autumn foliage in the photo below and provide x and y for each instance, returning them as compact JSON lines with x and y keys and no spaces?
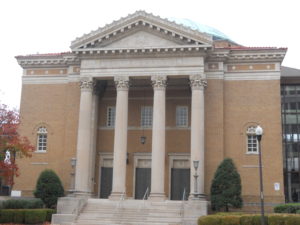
{"x":10,"y":140}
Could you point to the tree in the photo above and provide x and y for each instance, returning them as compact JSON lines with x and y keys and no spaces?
{"x":49,"y":188}
{"x":12,"y":145}
{"x":226,"y":187}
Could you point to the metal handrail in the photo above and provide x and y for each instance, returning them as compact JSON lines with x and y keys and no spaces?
{"x":146,"y":193}
{"x":122,"y":198}
{"x":182,"y":203}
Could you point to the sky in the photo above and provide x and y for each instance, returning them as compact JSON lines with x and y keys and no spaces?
{"x":49,"y":26}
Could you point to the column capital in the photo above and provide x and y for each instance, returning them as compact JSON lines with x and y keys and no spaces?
{"x":86,"y":85}
{"x":198,"y":82}
{"x":159,"y":82}
{"x":121,"y":83}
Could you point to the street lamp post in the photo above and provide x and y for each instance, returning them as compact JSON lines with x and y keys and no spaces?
{"x":196,"y":164}
{"x":259,"y":133}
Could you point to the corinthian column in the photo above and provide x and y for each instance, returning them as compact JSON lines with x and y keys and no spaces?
{"x":198,"y":84}
{"x":158,"y":138}
{"x":84,"y":151}
{"x":120,"y":139}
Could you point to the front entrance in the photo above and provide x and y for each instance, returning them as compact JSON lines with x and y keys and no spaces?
{"x":179,"y":176}
{"x":106,"y":182}
{"x":142,"y":182}
{"x":142,"y":175}
{"x":180,"y":183}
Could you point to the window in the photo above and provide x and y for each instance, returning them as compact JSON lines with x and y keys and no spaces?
{"x":146,"y":116}
{"x":42,"y":139}
{"x":181,"y":116}
{"x":252,"y":142}
{"x":111,"y":114}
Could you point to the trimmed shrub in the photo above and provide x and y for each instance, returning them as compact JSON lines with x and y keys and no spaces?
{"x":226,"y":187}
{"x":287,"y":208}
{"x":209,"y":220}
{"x":49,"y":214}
{"x":28,"y":216}
{"x":276,"y":220}
{"x":292,"y":220}
{"x":18,"y":216}
{"x":35,"y":216}
{"x":23,"y":204}
{"x":7,"y":216}
{"x":246,"y":220}
{"x":49,"y":188}
{"x":231,"y":220}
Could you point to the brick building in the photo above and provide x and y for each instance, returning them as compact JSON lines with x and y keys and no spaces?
{"x":137,"y":101}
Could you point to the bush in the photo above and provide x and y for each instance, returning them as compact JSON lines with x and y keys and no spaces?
{"x":209,"y":220}
{"x":28,"y":216}
{"x":49,"y":188}
{"x":22,"y":204}
{"x":276,"y":220}
{"x":287,"y":208}
{"x":292,"y":220}
{"x":226,"y":187}
{"x":35,"y":216}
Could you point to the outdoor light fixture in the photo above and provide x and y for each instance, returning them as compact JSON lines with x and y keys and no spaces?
{"x":259,"y":132}
{"x":143,"y":139}
{"x":196,"y":165}
{"x":73,"y":162}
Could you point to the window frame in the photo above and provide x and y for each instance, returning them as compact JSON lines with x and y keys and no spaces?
{"x":252,"y":142}
{"x":146,"y":122}
{"x":110,"y":118}
{"x":42,"y":139}
{"x":177,"y":116}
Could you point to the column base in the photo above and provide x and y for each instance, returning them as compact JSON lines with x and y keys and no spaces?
{"x":117,"y":196}
{"x":82,"y":194}
{"x":157,"y":197}
{"x":196,"y":196}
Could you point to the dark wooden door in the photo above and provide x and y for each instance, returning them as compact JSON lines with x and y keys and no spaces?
{"x":106,"y":181}
{"x":180,"y":180}
{"x":142,"y":182}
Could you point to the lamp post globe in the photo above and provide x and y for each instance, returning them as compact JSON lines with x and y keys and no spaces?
{"x":259,"y":132}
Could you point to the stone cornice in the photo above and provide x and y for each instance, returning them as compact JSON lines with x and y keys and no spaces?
{"x":141,"y":18}
{"x":247,"y":54}
{"x":145,"y":50}
{"x":48,"y":60}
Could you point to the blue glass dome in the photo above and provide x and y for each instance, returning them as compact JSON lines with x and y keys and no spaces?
{"x":217,"y":35}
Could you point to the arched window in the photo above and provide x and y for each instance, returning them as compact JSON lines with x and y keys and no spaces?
{"x":252,"y":142}
{"x":41,"y":139}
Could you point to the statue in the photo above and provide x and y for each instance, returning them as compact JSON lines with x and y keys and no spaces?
{"x":7,"y":157}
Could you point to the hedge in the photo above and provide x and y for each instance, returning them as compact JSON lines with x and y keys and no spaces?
{"x":22,"y":204}
{"x":287,"y":208}
{"x":271,"y":219}
{"x":27,"y":216}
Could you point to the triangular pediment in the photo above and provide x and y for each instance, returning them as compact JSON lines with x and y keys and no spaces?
{"x":140,"y":39}
{"x":141,"y":30}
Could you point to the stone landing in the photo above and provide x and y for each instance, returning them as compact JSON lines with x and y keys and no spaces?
{"x":80,"y":211}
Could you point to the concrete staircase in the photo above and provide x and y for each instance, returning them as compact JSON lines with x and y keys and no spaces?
{"x":131,"y":212}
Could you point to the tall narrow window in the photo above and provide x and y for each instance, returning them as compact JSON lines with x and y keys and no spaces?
{"x":111,"y":114}
{"x":146,"y":116}
{"x":181,"y":116}
{"x":42,"y":139}
{"x":252,"y":143}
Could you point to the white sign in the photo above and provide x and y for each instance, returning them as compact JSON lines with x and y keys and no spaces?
{"x":276,"y":186}
{"x":15,"y":193}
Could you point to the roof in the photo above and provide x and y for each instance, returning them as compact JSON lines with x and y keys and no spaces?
{"x":217,"y":35}
{"x":289,"y":72}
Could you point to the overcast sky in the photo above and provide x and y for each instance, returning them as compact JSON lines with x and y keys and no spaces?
{"x":49,"y":26}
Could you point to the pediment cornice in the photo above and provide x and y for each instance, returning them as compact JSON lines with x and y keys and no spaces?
{"x":142,"y":20}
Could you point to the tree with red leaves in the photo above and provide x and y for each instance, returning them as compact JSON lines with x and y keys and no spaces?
{"x":12,"y":145}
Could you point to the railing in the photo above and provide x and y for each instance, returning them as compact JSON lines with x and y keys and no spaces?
{"x":146,"y":195}
{"x":182,"y":203}
{"x":122,"y":198}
